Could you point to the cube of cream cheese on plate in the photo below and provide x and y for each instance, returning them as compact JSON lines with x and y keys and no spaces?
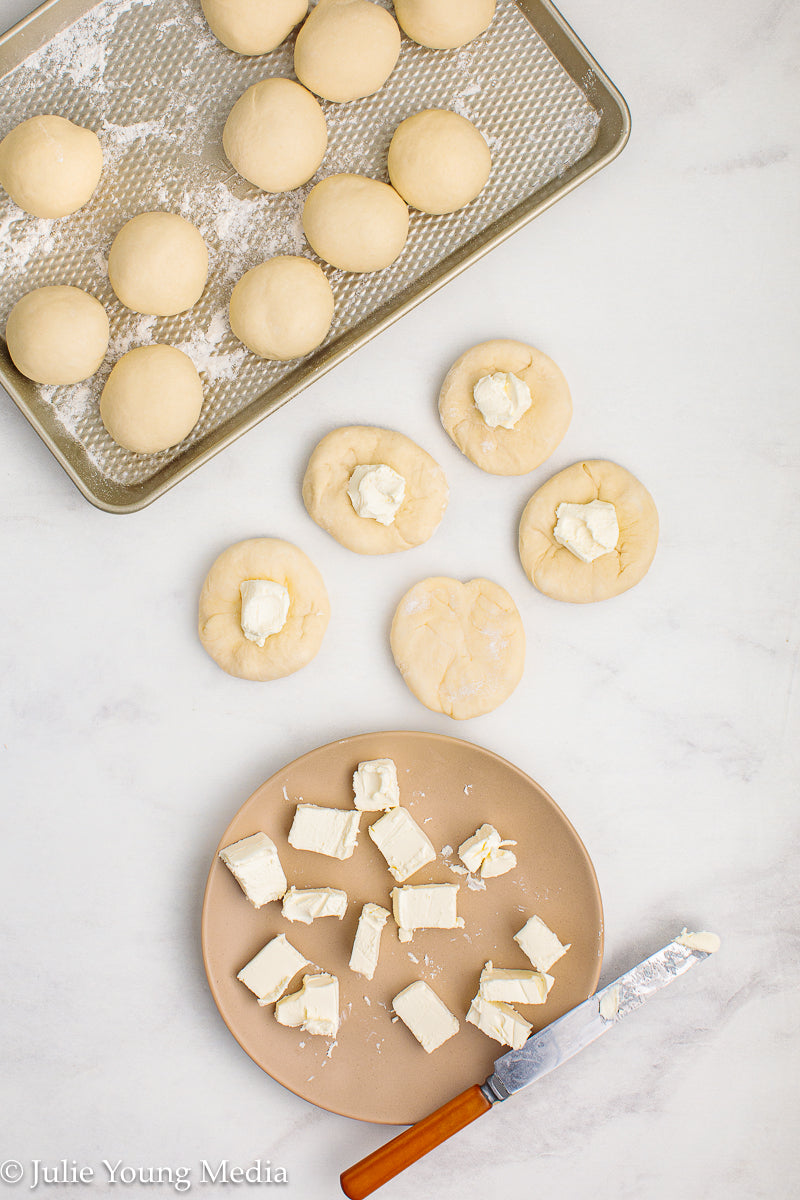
{"x":540,"y":944}
{"x":375,"y":785}
{"x":272,"y":970}
{"x":367,"y":943}
{"x":514,"y":987}
{"x":425,"y":906}
{"x":306,"y":904}
{"x":331,"y":831}
{"x":255,"y":865}
{"x":402,"y":843}
{"x":486,"y":852}
{"x":499,"y":1021}
{"x":428,"y":1017}
{"x":314,"y":1008}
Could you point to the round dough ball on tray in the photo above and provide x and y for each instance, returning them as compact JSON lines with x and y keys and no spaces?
{"x":152,"y":399}
{"x":444,"y":24}
{"x":460,"y":647}
{"x":158,"y":264}
{"x":518,"y":387}
{"x":360,"y":467}
{"x":287,"y":572}
{"x":275,"y":135}
{"x":438,"y":161}
{"x":572,"y":554}
{"x":283,"y":308}
{"x":346,"y":49}
{"x":251,"y":26}
{"x":355,"y":223}
{"x":57,"y":335}
{"x":49,"y":166}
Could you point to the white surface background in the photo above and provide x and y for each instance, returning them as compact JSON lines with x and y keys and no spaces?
{"x":663,"y":722}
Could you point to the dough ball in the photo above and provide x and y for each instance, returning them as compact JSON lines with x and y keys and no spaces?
{"x":444,"y":24}
{"x":251,"y":26}
{"x":282,"y":309}
{"x":346,"y":49}
{"x":355,"y":223}
{"x":460,"y":647}
{"x":537,"y":432}
{"x":152,"y":399}
{"x":57,"y":335}
{"x":275,"y":135}
{"x":553,"y":568}
{"x":328,"y":474}
{"x":220,"y":620}
{"x":50,"y":167}
{"x":158,"y":264}
{"x":438,"y":161}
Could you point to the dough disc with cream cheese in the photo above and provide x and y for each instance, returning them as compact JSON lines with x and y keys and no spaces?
{"x":538,"y":431}
{"x":460,"y":647}
{"x":328,"y":473}
{"x":220,"y":614}
{"x":554,"y":569}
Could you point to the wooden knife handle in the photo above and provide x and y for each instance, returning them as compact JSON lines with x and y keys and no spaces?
{"x":383,"y":1164}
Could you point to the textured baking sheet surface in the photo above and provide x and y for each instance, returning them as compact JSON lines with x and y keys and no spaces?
{"x":156,"y":86}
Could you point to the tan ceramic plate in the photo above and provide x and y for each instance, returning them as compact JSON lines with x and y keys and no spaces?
{"x":375,"y":1070}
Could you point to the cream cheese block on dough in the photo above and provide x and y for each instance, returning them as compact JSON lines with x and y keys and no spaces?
{"x":220,"y":612}
{"x":330,"y":470}
{"x":535,"y":434}
{"x":553,"y":568}
{"x":460,"y":647}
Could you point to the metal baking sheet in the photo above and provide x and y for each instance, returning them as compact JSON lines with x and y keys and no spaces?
{"x":154,"y":83}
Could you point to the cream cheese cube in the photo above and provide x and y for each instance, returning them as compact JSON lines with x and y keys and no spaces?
{"x":499,"y":1021}
{"x":367,"y":943}
{"x":375,"y":785}
{"x":272,"y":970}
{"x":315,"y":1008}
{"x":307,"y":904}
{"x":540,"y":944}
{"x":254,"y":863}
{"x":485,"y":853}
{"x":428,"y":1017}
{"x":587,"y":530}
{"x":402,"y":843}
{"x":265,"y":607}
{"x":514,"y":987}
{"x":426,"y":906}
{"x":331,"y":831}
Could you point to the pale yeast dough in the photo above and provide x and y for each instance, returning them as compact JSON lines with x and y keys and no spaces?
{"x":444,"y":24}
{"x":251,"y":26}
{"x":57,"y":335}
{"x":554,"y":569}
{"x":438,"y":161}
{"x":220,"y":613}
{"x":275,"y":135}
{"x":346,"y":49}
{"x":50,"y":166}
{"x":538,"y":431}
{"x":328,"y":473}
{"x":460,"y":647}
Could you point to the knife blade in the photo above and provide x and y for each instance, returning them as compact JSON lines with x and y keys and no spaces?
{"x":542,"y":1053}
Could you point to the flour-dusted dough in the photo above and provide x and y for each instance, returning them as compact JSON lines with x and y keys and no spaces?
{"x":49,"y":166}
{"x":554,"y":569}
{"x":444,"y":24}
{"x":151,"y":399}
{"x":221,"y":609}
{"x":275,"y":135}
{"x":346,"y":49}
{"x":283,"y":308}
{"x":57,"y":335}
{"x":251,"y":26}
{"x":355,"y":223}
{"x":328,"y":473}
{"x":438,"y":161}
{"x":537,"y":433}
{"x":460,"y":647}
{"x":158,"y":264}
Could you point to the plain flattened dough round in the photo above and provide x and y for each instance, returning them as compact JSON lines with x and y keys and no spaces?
{"x":275,"y":135}
{"x":328,"y":473}
{"x":220,"y":610}
{"x":57,"y":335}
{"x":554,"y":569}
{"x":355,"y":223}
{"x":538,"y":431}
{"x":251,"y":26}
{"x":444,"y":24}
{"x":460,"y":647}
{"x":49,"y":166}
{"x":283,"y":308}
{"x":346,"y":49}
{"x":438,"y":161}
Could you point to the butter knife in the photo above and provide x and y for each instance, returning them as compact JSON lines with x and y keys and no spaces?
{"x":542,"y":1053}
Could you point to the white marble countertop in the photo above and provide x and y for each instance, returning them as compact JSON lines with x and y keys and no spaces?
{"x":663,"y":722}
